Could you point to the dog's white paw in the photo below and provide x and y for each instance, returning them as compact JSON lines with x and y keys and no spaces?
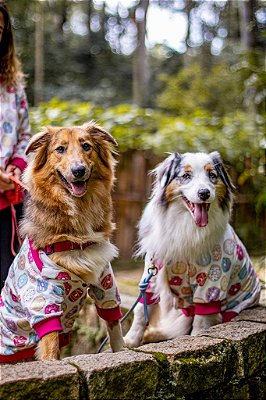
{"x":195,"y":332}
{"x":131,"y":341}
{"x":203,"y":322}
{"x":117,"y":349}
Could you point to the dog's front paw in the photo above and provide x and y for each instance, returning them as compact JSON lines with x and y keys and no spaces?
{"x":117,"y":349}
{"x":203,"y":322}
{"x":131,"y":341}
{"x":124,"y":348}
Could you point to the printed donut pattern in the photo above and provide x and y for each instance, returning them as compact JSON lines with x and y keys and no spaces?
{"x":30,"y":296}
{"x":106,"y":294}
{"x":222,"y":274}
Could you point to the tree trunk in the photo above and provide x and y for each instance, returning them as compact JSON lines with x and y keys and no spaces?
{"x":88,"y":8}
{"x":140,"y":57}
{"x":39,"y":63}
{"x":248,"y":26}
{"x":233,"y":21}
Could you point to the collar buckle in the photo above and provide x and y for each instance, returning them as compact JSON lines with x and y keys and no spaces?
{"x":49,"y":249}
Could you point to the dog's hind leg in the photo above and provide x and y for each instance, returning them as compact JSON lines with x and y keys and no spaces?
{"x":115,"y":335}
{"x":48,"y":347}
{"x":135,"y":334}
{"x":171,"y":326}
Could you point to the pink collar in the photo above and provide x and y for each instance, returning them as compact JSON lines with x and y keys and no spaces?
{"x":65,"y":246}
{"x":55,"y":248}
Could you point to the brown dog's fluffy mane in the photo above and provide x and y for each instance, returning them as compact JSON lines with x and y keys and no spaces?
{"x":52,"y":213}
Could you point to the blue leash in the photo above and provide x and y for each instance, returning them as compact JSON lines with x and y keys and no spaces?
{"x":143,"y":285}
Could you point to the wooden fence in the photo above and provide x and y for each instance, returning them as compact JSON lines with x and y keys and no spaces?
{"x":132,"y":190}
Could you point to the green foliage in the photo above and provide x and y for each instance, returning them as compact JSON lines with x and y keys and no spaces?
{"x":218,"y":88}
{"x":236,"y":135}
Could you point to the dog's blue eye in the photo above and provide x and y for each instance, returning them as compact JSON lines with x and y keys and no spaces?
{"x":60,"y":149}
{"x":86,"y":146}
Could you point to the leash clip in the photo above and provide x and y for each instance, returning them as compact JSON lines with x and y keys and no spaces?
{"x":153,"y":268}
{"x":152,"y":271}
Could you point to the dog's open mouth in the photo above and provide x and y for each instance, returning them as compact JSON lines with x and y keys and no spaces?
{"x":77,"y":188}
{"x":199,"y":212}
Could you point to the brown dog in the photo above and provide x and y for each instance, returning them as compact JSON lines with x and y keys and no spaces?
{"x":67,"y":250}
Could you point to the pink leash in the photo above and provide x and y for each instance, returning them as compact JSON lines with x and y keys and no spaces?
{"x":14,"y":230}
{"x":14,"y":199}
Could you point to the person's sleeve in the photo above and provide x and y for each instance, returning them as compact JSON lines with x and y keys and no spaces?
{"x":23,"y":131}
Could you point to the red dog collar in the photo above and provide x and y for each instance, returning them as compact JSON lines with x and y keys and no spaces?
{"x":65,"y":246}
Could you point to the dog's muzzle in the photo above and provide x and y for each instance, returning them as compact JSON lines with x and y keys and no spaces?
{"x":77,"y":187}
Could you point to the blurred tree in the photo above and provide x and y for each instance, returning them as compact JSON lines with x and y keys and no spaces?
{"x":248,"y":24}
{"x":39,"y":66}
{"x":95,"y":50}
{"x":214,"y":88}
{"x":80,"y":57}
{"x":219,"y":74}
{"x":140,"y":58}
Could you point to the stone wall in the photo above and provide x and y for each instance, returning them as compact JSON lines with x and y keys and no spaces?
{"x":225,"y":362}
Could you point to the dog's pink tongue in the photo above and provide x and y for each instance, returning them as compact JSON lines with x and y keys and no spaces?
{"x":201,"y":214}
{"x":78,"y":188}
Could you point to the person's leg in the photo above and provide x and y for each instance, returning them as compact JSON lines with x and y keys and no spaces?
{"x":6,"y":256}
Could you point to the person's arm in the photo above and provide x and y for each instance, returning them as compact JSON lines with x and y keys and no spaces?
{"x":18,"y":158}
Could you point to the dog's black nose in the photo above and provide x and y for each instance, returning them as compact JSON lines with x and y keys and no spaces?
{"x":78,"y":171}
{"x":204,"y":194}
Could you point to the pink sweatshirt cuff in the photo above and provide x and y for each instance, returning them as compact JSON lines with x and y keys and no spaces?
{"x":19,"y":162}
{"x":208,"y":308}
{"x":189,"y":311}
{"x":48,"y":325}
{"x":109,"y":314}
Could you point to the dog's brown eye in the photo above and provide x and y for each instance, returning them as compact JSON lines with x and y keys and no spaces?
{"x":60,"y":149}
{"x":185,"y":178}
{"x":213,"y":177}
{"x":86,"y":146}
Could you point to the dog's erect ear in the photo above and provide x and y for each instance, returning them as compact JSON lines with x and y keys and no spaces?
{"x":221,"y":171}
{"x":169,"y":169}
{"x":97,"y":131}
{"x":38,"y":140}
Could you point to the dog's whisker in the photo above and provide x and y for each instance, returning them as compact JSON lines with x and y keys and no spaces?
{"x":177,"y":196}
